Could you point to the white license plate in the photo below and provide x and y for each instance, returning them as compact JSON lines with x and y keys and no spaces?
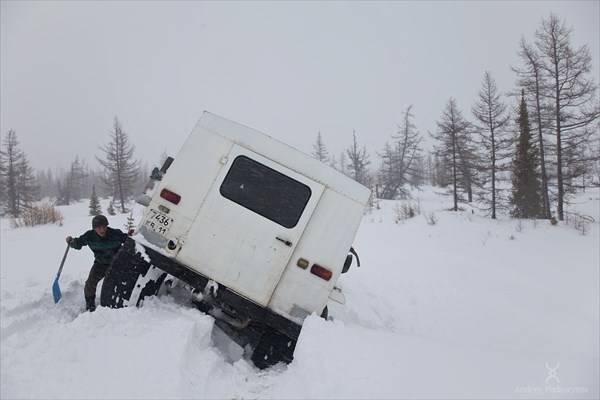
{"x":158,"y":222}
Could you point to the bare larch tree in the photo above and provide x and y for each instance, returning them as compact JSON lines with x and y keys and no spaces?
{"x":452,"y":137}
{"x":121,"y":170}
{"x":398,"y":161}
{"x":320,"y":151}
{"x":18,"y":187}
{"x":571,"y":95}
{"x":358,"y":161}
{"x":492,"y":117}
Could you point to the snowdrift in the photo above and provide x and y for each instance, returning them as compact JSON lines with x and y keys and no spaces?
{"x":468,"y":307}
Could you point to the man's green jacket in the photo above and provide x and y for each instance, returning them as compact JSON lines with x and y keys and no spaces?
{"x":104,"y":247}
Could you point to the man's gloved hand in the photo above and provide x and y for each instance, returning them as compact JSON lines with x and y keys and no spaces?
{"x":130,"y":232}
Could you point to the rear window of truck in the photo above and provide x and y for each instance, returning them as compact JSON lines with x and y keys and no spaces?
{"x":265,"y":191}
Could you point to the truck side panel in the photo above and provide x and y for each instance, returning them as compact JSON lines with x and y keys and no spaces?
{"x":191,"y":176}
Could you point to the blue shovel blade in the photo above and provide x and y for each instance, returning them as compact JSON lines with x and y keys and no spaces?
{"x":56,"y":291}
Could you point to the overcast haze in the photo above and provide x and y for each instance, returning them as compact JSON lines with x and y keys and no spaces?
{"x":288,"y":69}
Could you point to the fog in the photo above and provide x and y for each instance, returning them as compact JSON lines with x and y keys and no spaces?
{"x":288,"y":69}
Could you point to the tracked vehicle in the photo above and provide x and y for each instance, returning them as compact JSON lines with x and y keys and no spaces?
{"x":255,"y":232}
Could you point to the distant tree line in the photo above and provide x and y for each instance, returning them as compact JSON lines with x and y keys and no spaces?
{"x":120,"y":177}
{"x":525,"y":160}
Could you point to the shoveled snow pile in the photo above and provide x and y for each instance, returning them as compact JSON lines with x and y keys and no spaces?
{"x":467,"y":307}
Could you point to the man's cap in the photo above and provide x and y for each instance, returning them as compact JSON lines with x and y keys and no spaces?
{"x":99,"y":220}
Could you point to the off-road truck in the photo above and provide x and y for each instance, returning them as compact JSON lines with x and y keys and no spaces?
{"x":256,"y":233}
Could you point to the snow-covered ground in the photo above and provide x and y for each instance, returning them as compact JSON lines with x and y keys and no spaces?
{"x":467,"y":307}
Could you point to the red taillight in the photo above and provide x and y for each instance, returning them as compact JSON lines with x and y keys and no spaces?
{"x":170,"y":196}
{"x":321,"y":272}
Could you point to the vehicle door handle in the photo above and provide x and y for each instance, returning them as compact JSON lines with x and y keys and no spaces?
{"x":286,"y":242}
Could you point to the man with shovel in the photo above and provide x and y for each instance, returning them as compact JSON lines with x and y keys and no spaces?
{"x":104,"y":243}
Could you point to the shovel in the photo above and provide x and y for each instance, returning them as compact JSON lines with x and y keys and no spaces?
{"x":55,"y":288}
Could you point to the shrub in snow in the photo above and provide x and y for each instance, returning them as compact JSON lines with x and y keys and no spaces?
{"x":404,"y":211}
{"x":39,"y":214}
{"x":431,"y":218}
{"x":578,"y":221}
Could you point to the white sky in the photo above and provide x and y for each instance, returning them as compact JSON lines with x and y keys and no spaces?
{"x":288,"y":69}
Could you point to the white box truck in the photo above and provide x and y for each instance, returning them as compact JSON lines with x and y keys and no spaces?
{"x":256,"y":232}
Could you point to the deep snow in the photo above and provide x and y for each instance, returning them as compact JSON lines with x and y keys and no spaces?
{"x":466,"y":308}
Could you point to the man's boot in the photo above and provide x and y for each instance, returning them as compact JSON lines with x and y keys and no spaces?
{"x":90,"y":303}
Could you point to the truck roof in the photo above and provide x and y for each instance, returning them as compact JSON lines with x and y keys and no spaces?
{"x":283,"y":154}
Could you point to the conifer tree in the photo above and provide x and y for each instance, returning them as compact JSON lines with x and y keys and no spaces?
{"x":130,"y":221}
{"x":121,"y":170}
{"x":492,"y":118}
{"x":531,"y":78}
{"x":343,"y":164}
{"x":95,"y":208}
{"x":18,"y":187}
{"x":359,"y":161}
{"x":455,"y":155}
{"x":320,"y":151}
{"x":399,"y":160}
{"x":70,"y":188}
{"x":111,"y":209}
{"x":526,"y":192}
{"x":387,"y":173}
{"x":572,"y":96}
{"x":77,"y":179}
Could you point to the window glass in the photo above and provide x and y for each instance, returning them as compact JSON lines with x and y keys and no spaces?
{"x":265,"y":191}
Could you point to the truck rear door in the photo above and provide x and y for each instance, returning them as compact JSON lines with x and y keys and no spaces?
{"x":250,"y":223}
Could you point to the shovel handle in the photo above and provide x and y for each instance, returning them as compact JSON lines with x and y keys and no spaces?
{"x":63,"y":261}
